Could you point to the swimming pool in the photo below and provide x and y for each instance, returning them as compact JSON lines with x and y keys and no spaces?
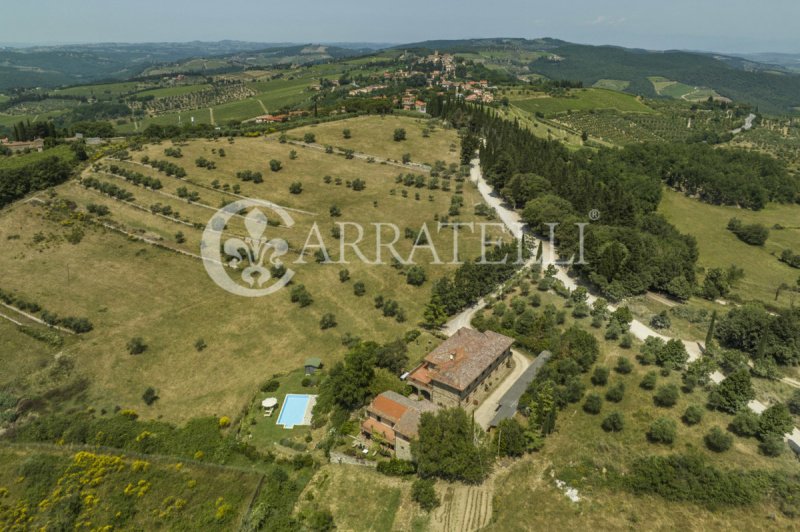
{"x":296,"y":410}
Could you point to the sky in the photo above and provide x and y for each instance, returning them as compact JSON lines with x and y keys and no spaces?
{"x":723,"y":26}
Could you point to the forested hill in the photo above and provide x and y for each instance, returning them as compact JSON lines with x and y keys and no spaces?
{"x":52,"y":66}
{"x":771,"y":88}
{"x":772,"y":92}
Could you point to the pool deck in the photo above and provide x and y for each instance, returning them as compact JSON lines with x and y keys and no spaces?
{"x":311,"y":400}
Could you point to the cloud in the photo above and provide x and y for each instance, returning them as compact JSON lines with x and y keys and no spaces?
{"x":605,"y":20}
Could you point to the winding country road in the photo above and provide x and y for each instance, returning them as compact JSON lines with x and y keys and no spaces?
{"x":748,"y":123}
{"x":511,"y":219}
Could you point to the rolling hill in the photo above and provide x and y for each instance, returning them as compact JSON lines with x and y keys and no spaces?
{"x":771,"y":88}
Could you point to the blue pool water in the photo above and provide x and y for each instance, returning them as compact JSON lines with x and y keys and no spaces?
{"x":293,"y":410}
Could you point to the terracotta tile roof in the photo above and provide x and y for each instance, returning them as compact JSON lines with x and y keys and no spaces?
{"x":421,"y":375}
{"x":387,"y":407}
{"x":373,"y":426}
{"x":389,"y":404}
{"x":460,"y":359}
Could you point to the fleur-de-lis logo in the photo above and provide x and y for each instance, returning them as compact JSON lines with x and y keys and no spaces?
{"x":254,"y":253}
{"x":254,"y":249}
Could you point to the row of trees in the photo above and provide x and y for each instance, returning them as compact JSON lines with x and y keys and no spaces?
{"x":470,"y":282}
{"x":39,"y":175}
{"x":630,"y":249}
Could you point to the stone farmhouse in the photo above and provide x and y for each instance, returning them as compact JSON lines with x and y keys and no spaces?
{"x":459,"y":373}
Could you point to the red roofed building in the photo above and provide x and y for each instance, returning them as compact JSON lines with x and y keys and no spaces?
{"x":393,"y":420}
{"x":463,"y":369}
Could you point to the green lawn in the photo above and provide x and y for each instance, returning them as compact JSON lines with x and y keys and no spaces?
{"x":581,"y":100}
{"x":62,"y":151}
{"x":720,"y":248}
{"x":264,"y":431}
{"x":612,"y":84}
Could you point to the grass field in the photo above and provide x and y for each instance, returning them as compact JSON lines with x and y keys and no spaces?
{"x":20,"y":355}
{"x":274,"y":95}
{"x":102,"y":91}
{"x":118,"y":492}
{"x":676,"y":89}
{"x":177,"y":90}
{"x":128,"y":288}
{"x":361,"y":499}
{"x":19,"y":160}
{"x":373,"y":136}
{"x":612,"y":84}
{"x":720,"y":248}
{"x":582,"y":100}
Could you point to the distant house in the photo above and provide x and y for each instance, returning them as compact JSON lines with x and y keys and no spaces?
{"x":312,"y":364}
{"x":271,"y":118}
{"x":36,"y":144}
{"x":463,"y":369}
{"x":420,"y":106}
{"x":393,"y":421}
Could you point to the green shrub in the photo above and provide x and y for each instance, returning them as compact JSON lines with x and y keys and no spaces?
{"x":623,"y":366}
{"x":745,"y":423}
{"x":775,"y":420}
{"x":424,"y":494}
{"x":662,"y":430}
{"x":270,"y":386}
{"x":649,"y":380}
{"x":600,"y":376}
{"x":613,"y":422}
{"x":136,"y":346}
{"x":771,"y":445}
{"x":616,"y":392}
{"x":593,"y":404}
{"x":691,"y":478}
{"x":149,"y":396}
{"x":327,"y":321}
{"x":666,"y":396}
{"x":397,"y":468}
{"x":661,"y":320}
{"x":718,"y":440}
{"x":359,"y":289}
{"x":693,"y":415}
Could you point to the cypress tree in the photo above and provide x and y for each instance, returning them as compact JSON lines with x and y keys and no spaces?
{"x":710,"y":333}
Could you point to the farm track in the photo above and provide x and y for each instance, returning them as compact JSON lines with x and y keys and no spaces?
{"x":34,"y":318}
{"x":12,"y":320}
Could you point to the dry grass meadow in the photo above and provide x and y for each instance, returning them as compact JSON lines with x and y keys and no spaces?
{"x":130,"y":288}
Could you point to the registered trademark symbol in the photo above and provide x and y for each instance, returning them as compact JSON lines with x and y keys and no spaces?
{"x":594,"y":215}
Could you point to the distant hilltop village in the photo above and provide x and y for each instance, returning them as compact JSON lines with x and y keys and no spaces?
{"x":437,"y":70}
